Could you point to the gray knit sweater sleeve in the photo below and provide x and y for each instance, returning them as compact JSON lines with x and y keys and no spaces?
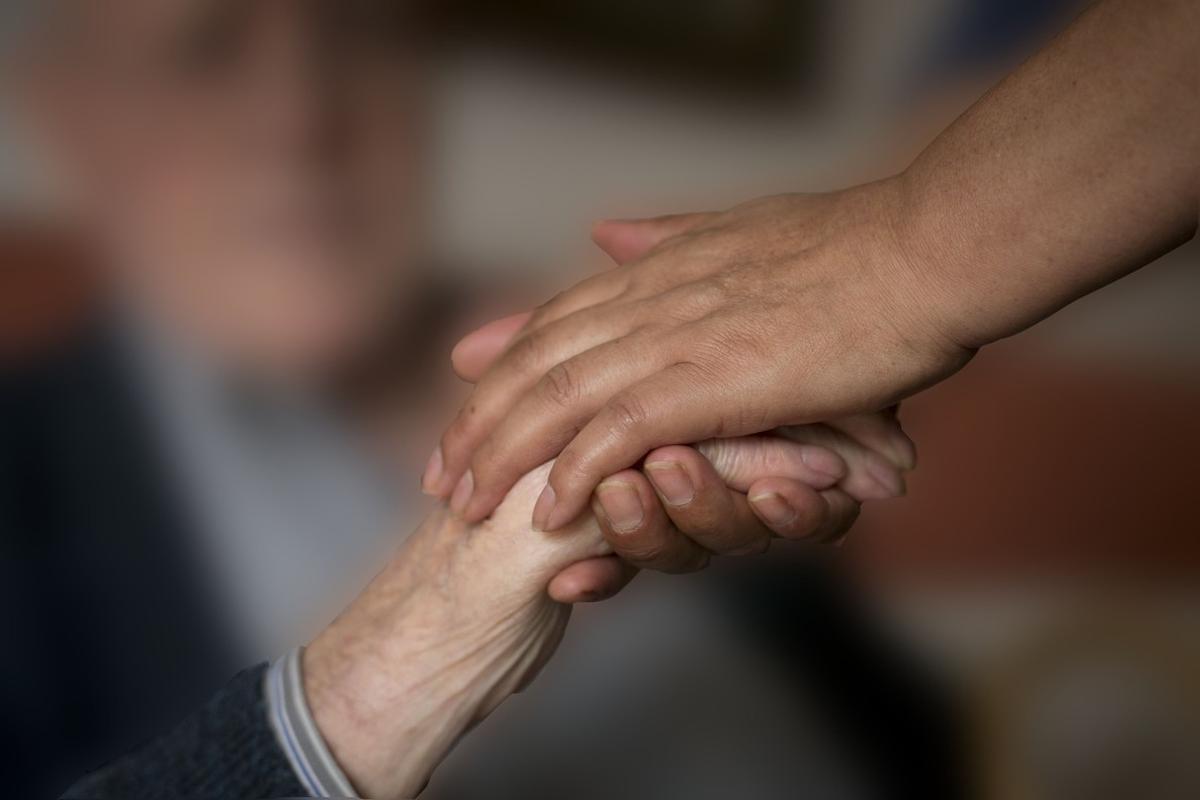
{"x":226,"y":750}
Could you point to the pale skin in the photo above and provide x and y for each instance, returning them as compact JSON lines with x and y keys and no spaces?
{"x":1079,"y":168}
{"x":457,"y":622}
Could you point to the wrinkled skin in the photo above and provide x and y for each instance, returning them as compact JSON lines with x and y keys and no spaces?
{"x":458,"y":621}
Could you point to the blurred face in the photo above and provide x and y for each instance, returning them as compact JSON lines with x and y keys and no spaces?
{"x":249,"y":166}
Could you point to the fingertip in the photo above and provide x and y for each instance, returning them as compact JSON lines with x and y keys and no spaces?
{"x":432,"y":475}
{"x":590,"y":581}
{"x":464,"y":359}
{"x":484,"y":490}
{"x":461,"y":496}
{"x":875,"y":478}
{"x":544,"y":508}
{"x":559,"y":503}
{"x":482,"y":503}
{"x":477,"y":351}
{"x":439,"y":478}
{"x":624,"y":501}
{"x":599,"y":229}
{"x":842,"y":512}
{"x":606,"y":234}
{"x":790,"y":508}
{"x":571,"y":590}
{"x":679,"y":474}
{"x":889,"y":478}
{"x":824,"y":463}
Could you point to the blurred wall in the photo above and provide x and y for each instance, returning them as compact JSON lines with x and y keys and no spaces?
{"x":1057,"y":467}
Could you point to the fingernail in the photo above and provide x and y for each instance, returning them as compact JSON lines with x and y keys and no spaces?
{"x":462,"y":492}
{"x":559,"y":516}
{"x":670,"y":478}
{"x":773,"y":508}
{"x":433,"y":472}
{"x":621,"y":505}
{"x":543,"y":508}
{"x":887,"y":476}
{"x":818,"y":459}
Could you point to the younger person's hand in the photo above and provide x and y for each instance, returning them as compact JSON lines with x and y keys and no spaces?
{"x":792,"y":310}
{"x":732,"y":496}
{"x":723,"y":496}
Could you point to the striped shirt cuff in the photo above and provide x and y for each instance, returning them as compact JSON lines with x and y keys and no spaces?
{"x":297,"y":733}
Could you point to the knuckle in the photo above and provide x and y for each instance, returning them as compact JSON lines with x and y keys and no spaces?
{"x":463,"y":430}
{"x":643,"y":551}
{"x":840,"y":523}
{"x":650,"y":329}
{"x":714,"y":290}
{"x":484,"y":461}
{"x":691,"y":302}
{"x":628,"y":412}
{"x":643,"y":281}
{"x":547,"y":310}
{"x":561,"y":385}
{"x":698,"y":374}
{"x":529,"y":353}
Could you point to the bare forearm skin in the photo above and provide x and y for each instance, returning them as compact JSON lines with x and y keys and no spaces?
{"x":1076,"y":170}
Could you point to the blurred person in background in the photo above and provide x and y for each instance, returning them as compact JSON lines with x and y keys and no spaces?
{"x":214,"y":465}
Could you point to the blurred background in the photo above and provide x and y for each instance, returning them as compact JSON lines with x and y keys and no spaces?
{"x":239,"y":238}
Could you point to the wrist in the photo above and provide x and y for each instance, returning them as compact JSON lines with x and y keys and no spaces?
{"x":387,"y":726}
{"x":427,"y":651}
{"x":937,"y":280}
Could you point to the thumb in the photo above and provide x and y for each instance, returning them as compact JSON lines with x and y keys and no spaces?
{"x":476,"y":351}
{"x":628,"y":240}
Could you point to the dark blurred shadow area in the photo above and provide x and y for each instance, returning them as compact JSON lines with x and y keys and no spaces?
{"x":239,"y":239}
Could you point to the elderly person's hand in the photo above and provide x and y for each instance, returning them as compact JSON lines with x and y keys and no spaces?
{"x":459,"y":620}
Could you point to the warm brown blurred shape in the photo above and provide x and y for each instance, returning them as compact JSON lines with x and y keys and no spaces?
{"x":44,"y":290}
{"x":1036,"y":466}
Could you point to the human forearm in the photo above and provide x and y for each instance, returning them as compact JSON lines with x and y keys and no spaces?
{"x":392,"y":703}
{"x":1077,"y":169}
{"x":389,"y":721}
